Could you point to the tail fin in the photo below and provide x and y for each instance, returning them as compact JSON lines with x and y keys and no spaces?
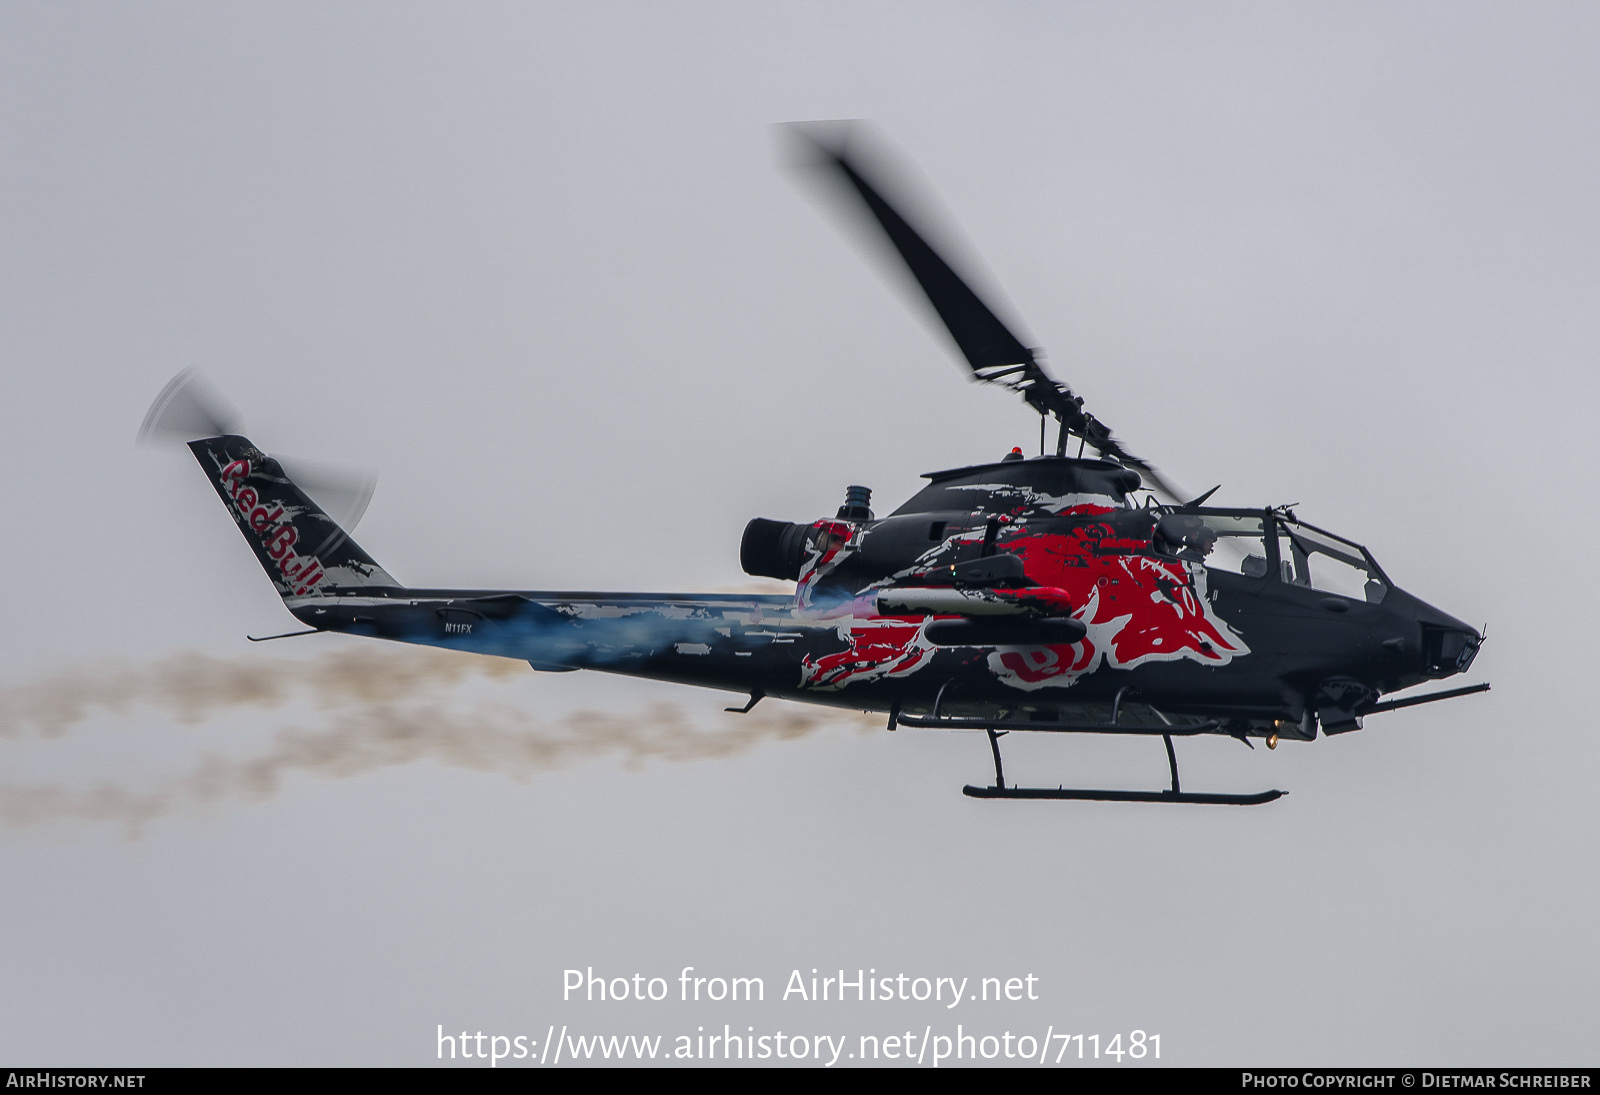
{"x":304,"y":552}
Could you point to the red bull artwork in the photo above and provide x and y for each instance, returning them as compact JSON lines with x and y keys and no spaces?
{"x":1137,"y":608}
{"x":277,"y":535}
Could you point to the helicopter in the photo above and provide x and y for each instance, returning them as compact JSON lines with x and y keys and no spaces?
{"x":1051,"y":593}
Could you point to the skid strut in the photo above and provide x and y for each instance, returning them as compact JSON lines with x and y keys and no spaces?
{"x":994,"y":747}
{"x":1176,"y":794}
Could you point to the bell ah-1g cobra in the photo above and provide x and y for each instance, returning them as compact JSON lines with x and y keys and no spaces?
{"x":1050,"y":593}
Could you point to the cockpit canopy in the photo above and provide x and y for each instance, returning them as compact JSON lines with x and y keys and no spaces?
{"x":1256,"y":543}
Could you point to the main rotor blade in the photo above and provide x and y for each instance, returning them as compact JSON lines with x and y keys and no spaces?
{"x":993,"y":352}
{"x":985,"y":341}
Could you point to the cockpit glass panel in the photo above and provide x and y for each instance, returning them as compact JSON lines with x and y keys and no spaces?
{"x":1236,"y":544}
{"x":1318,"y":561}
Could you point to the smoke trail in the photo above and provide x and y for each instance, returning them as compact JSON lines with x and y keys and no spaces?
{"x":191,"y":687}
{"x":491,"y":738}
{"x":386,"y":709}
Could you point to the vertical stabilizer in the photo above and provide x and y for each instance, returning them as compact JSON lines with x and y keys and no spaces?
{"x":302,"y":549}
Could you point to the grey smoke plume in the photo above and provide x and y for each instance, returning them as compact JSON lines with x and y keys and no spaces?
{"x":191,"y":687}
{"x":385,"y":709}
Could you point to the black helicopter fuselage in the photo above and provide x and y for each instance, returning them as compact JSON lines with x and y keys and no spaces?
{"x":1026,"y":594}
{"x":1024,"y":590}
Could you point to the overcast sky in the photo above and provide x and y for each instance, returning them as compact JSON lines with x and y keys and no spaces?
{"x":540,"y":267}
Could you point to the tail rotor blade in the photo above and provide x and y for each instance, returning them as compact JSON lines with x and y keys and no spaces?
{"x":187,"y":409}
{"x":190,"y":409}
{"x":342,"y":492}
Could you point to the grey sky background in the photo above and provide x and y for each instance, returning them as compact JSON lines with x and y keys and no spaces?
{"x":539,"y":266}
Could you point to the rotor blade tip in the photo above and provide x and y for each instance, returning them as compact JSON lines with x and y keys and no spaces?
{"x":187,"y":408}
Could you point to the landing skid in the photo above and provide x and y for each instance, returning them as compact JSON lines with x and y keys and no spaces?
{"x":1177,"y":794}
{"x":1122,"y":796}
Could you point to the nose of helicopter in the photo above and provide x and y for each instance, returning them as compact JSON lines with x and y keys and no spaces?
{"x":1444,"y":645}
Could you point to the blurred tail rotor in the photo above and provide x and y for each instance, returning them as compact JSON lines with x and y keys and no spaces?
{"x":187,"y":409}
{"x":190,"y":408}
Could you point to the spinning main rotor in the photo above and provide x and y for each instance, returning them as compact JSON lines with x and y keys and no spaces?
{"x":992,"y":351}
